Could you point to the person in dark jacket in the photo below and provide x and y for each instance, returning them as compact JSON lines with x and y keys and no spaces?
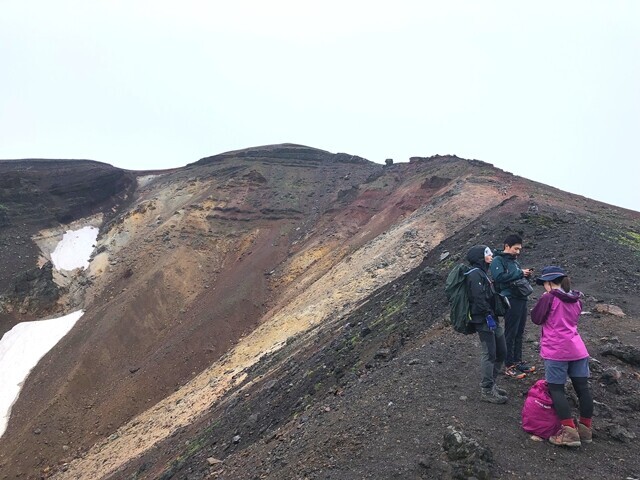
{"x":482,"y":297}
{"x":505,"y":270}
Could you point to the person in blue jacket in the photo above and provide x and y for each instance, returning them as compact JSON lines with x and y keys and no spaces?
{"x":505,"y":270}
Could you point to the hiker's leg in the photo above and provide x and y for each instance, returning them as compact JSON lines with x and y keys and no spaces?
{"x":555,"y":374}
{"x":488,"y":355}
{"x":510,"y":331}
{"x":513,"y":329}
{"x":560,"y":402}
{"x":579,"y":373}
{"x":581,"y":386}
{"x":501,"y":351}
{"x":521,"y":305}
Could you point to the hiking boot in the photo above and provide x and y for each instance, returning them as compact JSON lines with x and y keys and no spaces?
{"x":490,"y":395}
{"x":500,"y":391}
{"x":586,"y":434}
{"x":566,"y":436}
{"x":514,"y":373}
{"x":524,"y":368}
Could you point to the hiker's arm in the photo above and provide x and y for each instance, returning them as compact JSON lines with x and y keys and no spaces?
{"x":541,"y":311}
{"x":501,"y":275}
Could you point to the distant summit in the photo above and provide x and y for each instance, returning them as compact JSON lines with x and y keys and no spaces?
{"x":285,"y":152}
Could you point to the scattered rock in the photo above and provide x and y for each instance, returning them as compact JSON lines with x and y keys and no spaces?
{"x":435,"y":467}
{"x":601,"y":410}
{"x":626,"y":353}
{"x":633,"y":403}
{"x":620,"y":433}
{"x":595,"y":365}
{"x":37,"y":431}
{"x":429,"y":276}
{"x":610,"y":376}
{"x":468,"y":458}
{"x":444,"y":255}
{"x":213,"y":461}
{"x":236,"y":439}
{"x":610,"y":340}
{"x":383,"y":353}
{"x":253,"y":419}
{"x":609,"y":309}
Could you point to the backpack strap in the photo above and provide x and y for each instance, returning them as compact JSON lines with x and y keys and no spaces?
{"x":471,"y":270}
{"x":482,"y":272}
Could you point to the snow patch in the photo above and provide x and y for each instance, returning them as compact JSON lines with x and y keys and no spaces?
{"x":21,"y":348}
{"x":143,"y":181}
{"x":74,"y":250}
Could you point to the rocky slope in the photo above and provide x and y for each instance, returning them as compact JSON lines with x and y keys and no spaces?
{"x":281,"y":309}
{"x":36,"y":195}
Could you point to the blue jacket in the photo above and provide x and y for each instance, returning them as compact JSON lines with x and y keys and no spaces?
{"x":504,"y":270}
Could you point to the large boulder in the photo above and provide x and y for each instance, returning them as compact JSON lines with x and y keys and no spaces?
{"x":468,"y":458}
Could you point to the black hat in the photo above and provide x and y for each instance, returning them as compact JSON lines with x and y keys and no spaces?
{"x":550,"y":273}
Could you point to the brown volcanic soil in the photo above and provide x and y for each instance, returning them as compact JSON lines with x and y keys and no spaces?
{"x":291,"y":240}
{"x":370,"y":395}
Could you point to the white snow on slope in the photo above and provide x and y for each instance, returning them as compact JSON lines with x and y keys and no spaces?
{"x":74,"y":249}
{"x":21,"y":348}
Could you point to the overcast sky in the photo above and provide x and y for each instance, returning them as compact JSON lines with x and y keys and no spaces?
{"x":548,"y":90}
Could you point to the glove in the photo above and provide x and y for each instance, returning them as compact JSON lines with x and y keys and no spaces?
{"x":491,"y":323}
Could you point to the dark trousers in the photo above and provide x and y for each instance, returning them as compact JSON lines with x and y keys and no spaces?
{"x":560,"y":403}
{"x":514,"y":322}
{"x":493,"y":352}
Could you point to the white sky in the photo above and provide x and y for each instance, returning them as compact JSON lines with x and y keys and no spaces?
{"x":547,"y":90}
{"x":21,"y":348}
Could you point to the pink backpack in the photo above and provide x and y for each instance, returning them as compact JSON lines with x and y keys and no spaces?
{"x":538,"y":415}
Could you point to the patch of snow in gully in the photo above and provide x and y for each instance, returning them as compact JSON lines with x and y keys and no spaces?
{"x":74,"y":249}
{"x":21,"y":348}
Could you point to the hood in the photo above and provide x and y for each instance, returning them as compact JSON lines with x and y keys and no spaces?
{"x":475,"y":257}
{"x":571,"y":297}
{"x":501,"y":253}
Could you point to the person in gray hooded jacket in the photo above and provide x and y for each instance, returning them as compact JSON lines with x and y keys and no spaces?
{"x":482,"y":298}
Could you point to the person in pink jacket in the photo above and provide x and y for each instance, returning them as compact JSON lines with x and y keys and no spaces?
{"x":564,"y":354}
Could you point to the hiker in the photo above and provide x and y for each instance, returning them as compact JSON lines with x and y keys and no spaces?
{"x":564,"y":353}
{"x":506,"y":272}
{"x":482,"y":298}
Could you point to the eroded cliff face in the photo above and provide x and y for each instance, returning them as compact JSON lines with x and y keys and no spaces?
{"x":40,"y":195}
{"x":212,"y":267}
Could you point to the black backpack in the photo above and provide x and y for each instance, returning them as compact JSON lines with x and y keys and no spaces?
{"x":458,"y":296}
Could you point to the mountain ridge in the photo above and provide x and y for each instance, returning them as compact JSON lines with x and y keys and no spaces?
{"x":234,"y":257}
